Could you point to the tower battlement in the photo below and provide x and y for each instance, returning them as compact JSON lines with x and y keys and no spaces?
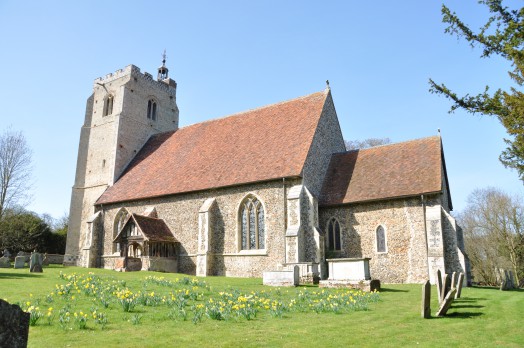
{"x":167,"y":85}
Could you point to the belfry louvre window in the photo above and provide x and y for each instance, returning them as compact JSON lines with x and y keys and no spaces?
{"x":108,"y":105}
{"x":334,"y":235}
{"x":151,"y":109}
{"x":252,"y":224}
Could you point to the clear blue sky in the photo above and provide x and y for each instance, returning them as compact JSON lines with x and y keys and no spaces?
{"x":229,"y":56}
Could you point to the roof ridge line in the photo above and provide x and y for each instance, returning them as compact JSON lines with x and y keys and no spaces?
{"x":390,"y":144}
{"x":324,"y":91}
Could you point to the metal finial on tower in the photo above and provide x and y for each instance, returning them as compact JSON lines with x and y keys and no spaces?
{"x":327,"y":83}
{"x":163,"y":70}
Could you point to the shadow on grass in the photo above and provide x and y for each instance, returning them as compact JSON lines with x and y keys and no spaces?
{"x":19,"y":275}
{"x":392,"y":290}
{"x":467,"y":306}
{"x":463,"y":315}
{"x":470,"y":299}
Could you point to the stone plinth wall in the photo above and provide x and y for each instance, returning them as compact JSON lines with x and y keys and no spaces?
{"x":159,"y":264}
{"x":55,"y":259}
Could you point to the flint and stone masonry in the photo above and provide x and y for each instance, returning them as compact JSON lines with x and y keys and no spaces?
{"x":286,"y":162}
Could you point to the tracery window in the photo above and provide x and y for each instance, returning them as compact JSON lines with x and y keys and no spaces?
{"x":381,"y":239}
{"x":108,"y":105}
{"x":252,"y":225}
{"x":151,"y":109}
{"x":333,"y":235}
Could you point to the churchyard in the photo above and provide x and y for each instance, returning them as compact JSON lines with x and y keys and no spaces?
{"x":78,"y":307}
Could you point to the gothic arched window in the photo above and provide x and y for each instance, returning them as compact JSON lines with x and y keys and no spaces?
{"x":108,"y":105}
{"x":333,"y":235}
{"x":252,"y":225}
{"x":151,"y":109}
{"x":381,"y":239}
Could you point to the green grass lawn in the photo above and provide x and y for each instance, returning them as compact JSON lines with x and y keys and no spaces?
{"x":177,"y":310}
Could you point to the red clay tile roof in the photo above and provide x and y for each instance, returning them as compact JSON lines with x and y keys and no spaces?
{"x":154,"y":230}
{"x":397,"y":170}
{"x":257,"y":145}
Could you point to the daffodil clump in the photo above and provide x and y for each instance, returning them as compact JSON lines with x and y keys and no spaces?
{"x":183,"y":299}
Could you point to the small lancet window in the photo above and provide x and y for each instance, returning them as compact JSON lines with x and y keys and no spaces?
{"x":108,"y":105}
{"x":252,"y":225}
{"x":381,"y":239}
{"x":151,"y":110}
{"x":333,"y":235}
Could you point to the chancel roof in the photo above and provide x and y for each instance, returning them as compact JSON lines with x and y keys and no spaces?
{"x":257,"y":145}
{"x":390,"y":171}
{"x":152,"y":229}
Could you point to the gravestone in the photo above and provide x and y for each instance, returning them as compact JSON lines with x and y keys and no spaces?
{"x":5,"y":262}
{"x":6,"y":253}
{"x":453,"y":280}
{"x":426,"y":297}
{"x":444,"y":307}
{"x":19,"y":262}
{"x":14,"y":326}
{"x":459,"y":285}
{"x":445,"y":286}
{"x":439,"y":286}
{"x":35,"y":262}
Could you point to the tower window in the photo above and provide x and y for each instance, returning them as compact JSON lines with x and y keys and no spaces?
{"x":151,"y":110}
{"x":108,"y":105}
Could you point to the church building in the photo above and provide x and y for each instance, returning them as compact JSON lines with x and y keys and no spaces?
{"x":266,"y":189}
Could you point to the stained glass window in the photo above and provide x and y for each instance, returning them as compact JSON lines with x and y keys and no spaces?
{"x":334,"y":241}
{"x":261,"y":228}
{"x":252,"y":224}
{"x":244,"y":228}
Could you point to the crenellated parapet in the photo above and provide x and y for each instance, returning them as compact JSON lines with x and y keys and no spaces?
{"x":168,"y":85}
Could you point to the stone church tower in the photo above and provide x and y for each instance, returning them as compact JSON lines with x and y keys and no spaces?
{"x":125,"y":109}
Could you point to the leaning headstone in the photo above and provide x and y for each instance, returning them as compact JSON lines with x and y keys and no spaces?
{"x":35,"y":262}
{"x":439,"y":286}
{"x":445,"y":287}
{"x":14,"y":326}
{"x":6,"y":253}
{"x":446,"y":303}
{"x":454,"y":280}
{"x":19,"y":262}
{"x":5,"y":262}
{"x":459,"y":285}
{"x":426,"y":297}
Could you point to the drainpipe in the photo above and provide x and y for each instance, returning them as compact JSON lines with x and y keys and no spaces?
{"x":285,"y":218}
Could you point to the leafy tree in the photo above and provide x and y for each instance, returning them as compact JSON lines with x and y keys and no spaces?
{"x":493,"y":226}
{"x":366,"y":143}
{"x":24,"y":232}
{"x":502,"y":35}
{"x":15,"y":170}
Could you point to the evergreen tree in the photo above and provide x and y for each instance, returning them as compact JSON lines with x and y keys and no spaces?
{"x":502,"y":35}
